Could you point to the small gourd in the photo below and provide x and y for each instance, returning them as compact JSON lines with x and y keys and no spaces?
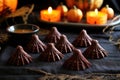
{"x":74,"y":15}
{"x":63,"y":9}
{"x":85,"y":5}
{"x":109,"y":11}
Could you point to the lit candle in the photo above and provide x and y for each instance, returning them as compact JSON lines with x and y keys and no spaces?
{"x":96,"y":17}
{"x":50,"y":15}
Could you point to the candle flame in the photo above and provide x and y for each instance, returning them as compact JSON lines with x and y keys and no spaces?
{"x":96,"y":11}
{"x":50,"y":10}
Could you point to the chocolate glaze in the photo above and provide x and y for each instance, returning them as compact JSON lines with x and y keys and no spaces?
{"x":63,"y":45}
{"x":35,"y":45}
{"x":19,"y":57}
{"x":83,"y":40}
{"x":77,"y":61}
{"x":95,"y":51}
{"x":51,"y":54}
{"x":53,"y":36}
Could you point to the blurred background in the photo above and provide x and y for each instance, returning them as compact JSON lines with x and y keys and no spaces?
{"x":43,"y":4}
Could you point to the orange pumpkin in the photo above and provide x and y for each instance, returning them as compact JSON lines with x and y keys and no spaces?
{"x":109,"y":11}
{"x":85,"y":5}
{"x":74,"y":15}
{"x":12,"y":4}
{"x":63,"y":9}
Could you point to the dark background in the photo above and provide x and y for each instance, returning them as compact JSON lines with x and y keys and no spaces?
{"x":41,"y":4}
{"x":110,"y":64}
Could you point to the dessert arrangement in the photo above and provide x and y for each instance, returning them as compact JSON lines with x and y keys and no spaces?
{"x":57,"y":44}
{"x":55,"y":47}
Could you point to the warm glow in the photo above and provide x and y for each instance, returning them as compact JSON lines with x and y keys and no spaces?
{"x":96,"y":11}
{"x":50,"y":15}
{"x":96,"y":17}
{"x":50,"y":10}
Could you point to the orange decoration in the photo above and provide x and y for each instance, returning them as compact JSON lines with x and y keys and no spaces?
{"x":85,"y":5}
{"x":50,"y":15}
{"x":63,"y":9}
{"x":11,"y":4}
{"x":96,"y":17}
{"x":109,"y":11}
{"x":74,"y":15}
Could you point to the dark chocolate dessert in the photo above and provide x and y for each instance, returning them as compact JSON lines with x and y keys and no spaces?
{"x":53,"y":36}
{"x":19,"y":57}
{"x":77,"y":61}
{"x":63,"y":45}
{"x":83,"y":40}
{"x":35,"y":45}
{"x":95,"y":51}
{"x":51,"y":54}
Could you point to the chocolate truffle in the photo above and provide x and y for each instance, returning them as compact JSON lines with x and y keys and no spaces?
{"x":63,"y":45}
{"x":77,"y":61}
{"x":95,"y":51}
{"x":51,"y":54}
{"x":83,"y":40}
{"x":35,"y":45}
{"x":53,"y":36}
{"x":19,"y":57}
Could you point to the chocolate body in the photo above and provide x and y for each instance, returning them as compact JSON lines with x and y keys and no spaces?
{"x":63,"y":45}
{"x":19,"y":57}
{"x":77,"y":61}
{"x":35,"y":45}
{"x":83,"y":40}
{"x":95,"y":51}
{"x":51,"y":54}
{"x":53,"y":36}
